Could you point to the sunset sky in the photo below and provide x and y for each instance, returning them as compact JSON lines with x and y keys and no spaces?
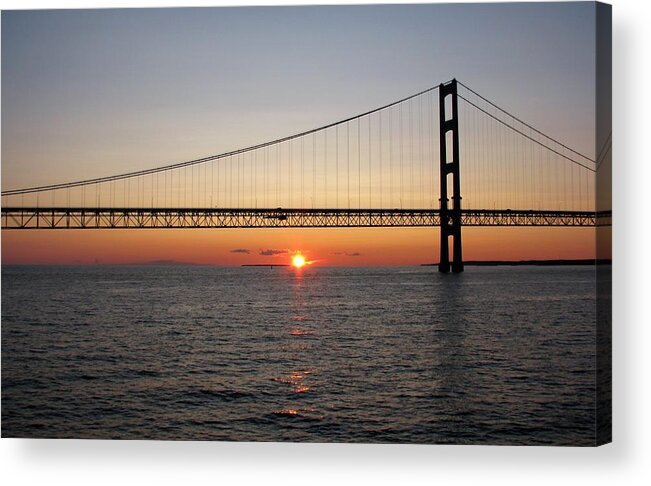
{"x":100,"y":92}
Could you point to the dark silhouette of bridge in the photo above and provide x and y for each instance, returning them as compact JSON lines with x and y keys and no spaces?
{"x":377,"y":169}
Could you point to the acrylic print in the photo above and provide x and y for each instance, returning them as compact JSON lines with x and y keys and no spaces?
{"x":379,"y":224}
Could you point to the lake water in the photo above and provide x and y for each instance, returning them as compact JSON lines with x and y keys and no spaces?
{"x":501,"y":355}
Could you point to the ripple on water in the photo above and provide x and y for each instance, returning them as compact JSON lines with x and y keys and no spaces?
{"x":345,"y":354}
{"x":300,"y":332}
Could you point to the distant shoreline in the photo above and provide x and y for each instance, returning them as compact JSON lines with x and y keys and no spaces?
{"x":265,"y":265}
{"x":494,"y":263}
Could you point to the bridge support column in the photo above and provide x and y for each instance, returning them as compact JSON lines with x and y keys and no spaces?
{"x":449,"y":164}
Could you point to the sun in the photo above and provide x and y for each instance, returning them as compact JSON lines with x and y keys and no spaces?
{"x":298,"y":260}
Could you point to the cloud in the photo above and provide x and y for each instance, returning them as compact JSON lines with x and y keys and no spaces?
{"x":346,"y":253}
{"x":240,"y":250}
{"x":272,"y":252}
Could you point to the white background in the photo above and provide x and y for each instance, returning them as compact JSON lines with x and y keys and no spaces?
{"x":626,"y":461}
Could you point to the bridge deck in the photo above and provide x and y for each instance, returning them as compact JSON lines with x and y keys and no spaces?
{"x":104,"y":218}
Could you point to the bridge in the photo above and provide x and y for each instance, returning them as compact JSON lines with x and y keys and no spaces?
{"x":397,"y":165}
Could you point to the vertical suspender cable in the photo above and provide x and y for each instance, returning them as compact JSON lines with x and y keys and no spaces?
{"x":380,"y":152}
{"x":348,"y":161}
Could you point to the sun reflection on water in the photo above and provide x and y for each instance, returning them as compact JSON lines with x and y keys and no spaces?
{"x":299,"y":332}
{"x":298,"y":337}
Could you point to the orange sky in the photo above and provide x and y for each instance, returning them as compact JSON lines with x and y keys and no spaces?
{"x":131,"y":96}
{"x":332,"y":246}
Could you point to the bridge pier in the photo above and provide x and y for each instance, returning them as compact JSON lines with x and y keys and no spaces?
{"x":450,"y":217}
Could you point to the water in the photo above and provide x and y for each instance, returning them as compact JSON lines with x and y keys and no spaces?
{"x":501,"y":355}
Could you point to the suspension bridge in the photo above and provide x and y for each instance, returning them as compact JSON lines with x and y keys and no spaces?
{"x":397,"y":165}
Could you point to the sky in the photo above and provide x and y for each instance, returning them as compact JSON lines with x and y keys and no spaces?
{"x":89,"y":93}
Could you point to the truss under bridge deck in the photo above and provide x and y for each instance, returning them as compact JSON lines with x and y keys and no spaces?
{"x":103,"y":218}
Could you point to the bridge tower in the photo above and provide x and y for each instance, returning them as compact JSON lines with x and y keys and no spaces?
{"x":449,"y":147}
